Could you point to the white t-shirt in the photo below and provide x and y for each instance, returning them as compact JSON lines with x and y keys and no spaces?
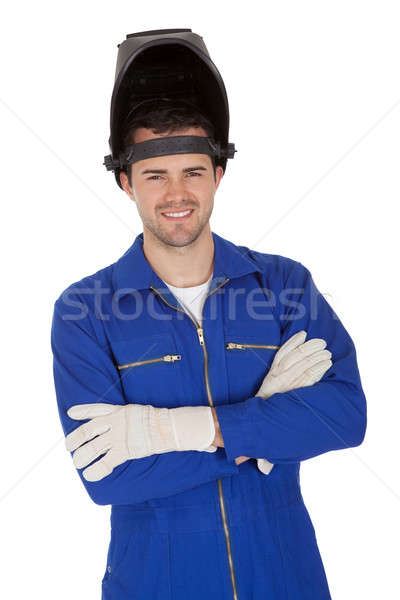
{"x":191,"y":298}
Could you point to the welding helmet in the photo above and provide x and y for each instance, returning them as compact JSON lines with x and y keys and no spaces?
{"x":171,"y":65}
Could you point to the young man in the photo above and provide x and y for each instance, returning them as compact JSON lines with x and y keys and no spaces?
{"x":189,"y":394}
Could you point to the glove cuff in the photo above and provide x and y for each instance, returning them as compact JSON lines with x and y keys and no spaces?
{"x":194,"y":427}
{"x":264,"y":465}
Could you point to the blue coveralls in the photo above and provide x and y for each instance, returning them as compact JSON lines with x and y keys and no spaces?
{"x":194,"y":525}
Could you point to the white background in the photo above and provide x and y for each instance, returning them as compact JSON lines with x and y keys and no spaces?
{"x":315,"y":115}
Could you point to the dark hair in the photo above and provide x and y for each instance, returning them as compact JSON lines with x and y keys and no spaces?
{"x":163,"y":116}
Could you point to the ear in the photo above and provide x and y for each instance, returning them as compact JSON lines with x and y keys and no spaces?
{"x":123,"y":177}
{"x":219,"y":173}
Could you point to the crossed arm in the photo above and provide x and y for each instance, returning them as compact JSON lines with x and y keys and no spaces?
{"x":291,"y":426}
{"x":133,"y":431}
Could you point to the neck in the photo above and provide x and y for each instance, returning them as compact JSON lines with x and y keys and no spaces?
{"x":181,"y":266}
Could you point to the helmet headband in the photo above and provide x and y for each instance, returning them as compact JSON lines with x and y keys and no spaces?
{"x":164,"y":146}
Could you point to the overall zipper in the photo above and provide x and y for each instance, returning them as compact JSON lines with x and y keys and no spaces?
{"x":200,"y":335}
{"x":233,"y":345}
{"x":166,"y":358}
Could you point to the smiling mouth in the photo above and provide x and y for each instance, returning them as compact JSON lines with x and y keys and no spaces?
{"x":178,"y":215}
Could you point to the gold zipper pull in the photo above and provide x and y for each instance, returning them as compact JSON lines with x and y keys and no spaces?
{"x":200,"y":334}
{"x":231,"y":345}
{"x":171,"y":357}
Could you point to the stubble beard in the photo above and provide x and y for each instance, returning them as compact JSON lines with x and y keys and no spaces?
{"x":181,"y":235}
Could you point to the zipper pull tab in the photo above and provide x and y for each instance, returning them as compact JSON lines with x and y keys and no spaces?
{"x":201,"y":336}
{"x":171,"y":357}
{"x":231,"y":345}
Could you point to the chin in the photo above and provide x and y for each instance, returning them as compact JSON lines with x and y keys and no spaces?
{"x":180,"y":238}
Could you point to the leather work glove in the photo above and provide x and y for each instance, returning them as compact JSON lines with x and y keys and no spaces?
{"x":296,"y":364}
{"x":134,"y":431}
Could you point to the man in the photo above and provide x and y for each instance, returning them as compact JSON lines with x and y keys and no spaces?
{"x":187,"y":360}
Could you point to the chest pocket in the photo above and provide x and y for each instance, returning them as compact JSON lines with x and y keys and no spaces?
{"x":248,"y":359}
{"x":150,"y":369}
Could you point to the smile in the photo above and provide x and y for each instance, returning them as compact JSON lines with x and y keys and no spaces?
{"x":178,"y":215}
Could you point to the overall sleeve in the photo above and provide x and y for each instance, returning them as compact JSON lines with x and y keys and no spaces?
{"x":308,"y":421}
{"x":84,"y":372}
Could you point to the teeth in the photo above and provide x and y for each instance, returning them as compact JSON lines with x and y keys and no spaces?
{"x":178,"y":214}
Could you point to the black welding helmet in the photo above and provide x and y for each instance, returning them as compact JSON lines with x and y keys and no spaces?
{"x":168,"y":64}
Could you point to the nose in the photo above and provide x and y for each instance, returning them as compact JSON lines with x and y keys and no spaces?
{"x":175,"y":191}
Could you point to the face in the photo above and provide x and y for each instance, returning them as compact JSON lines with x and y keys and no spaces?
{"x":167,"y":185}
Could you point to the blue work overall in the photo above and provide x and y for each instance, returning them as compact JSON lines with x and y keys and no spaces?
{"x":194,"y":525}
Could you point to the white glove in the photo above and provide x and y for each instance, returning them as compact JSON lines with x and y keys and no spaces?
{"x":134,"y":431}
{"x":296,"y":364}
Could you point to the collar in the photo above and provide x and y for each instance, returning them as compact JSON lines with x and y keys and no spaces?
{"x":133,"y":271}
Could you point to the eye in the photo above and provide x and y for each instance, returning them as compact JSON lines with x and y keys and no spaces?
{"x":153,"y":177}
{"x":194,"y":173}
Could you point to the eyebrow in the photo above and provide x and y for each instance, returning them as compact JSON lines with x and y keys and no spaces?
{"x":161,"y":171}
